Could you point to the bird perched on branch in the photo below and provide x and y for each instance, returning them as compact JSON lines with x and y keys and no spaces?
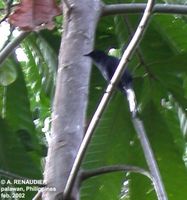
{"x":107,"y":66}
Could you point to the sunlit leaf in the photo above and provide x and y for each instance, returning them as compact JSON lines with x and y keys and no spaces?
{"x":8,"y":73}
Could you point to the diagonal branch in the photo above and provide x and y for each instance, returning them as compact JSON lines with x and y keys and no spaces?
{"x":157,"y":181}
{"x":38,"y":195}
{"x":106,"y":97}
{"x":12,"y":45}
{"x":139,"y":127}
{"x":135,"y":8}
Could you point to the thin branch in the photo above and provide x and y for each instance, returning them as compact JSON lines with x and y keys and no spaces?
{"x":130,"y":32}
{"x":86,"y":174}
{"x":138,"y":50}
{"x":8,"y":10}
{"x":135,"y":8}
{"x":151,"y":161}
{"x":157,"y":181}
{"x":106,"y":97}
{"x":12,"y":45}
{"x":38,"y":195}
{"x":11,"y":175}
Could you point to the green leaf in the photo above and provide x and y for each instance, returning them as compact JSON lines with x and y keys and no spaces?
{"x":8,"y":73}
{"x":111,"y":144}
{"x":161,"y":130}
{"x":170,"y":74}
{"x":161,"y":75}
{"x":14,"y":157}
{"x":18,"y":114}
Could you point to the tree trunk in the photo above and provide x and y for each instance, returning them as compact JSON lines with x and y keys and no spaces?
{"x":71,"y":95}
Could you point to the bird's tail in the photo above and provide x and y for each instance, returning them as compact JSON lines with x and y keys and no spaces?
{"x":131,"y":98}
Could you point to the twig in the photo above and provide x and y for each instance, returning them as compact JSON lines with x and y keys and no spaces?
{"x":138,"y":50}
{"x":38,"y":195}
{"x":159,"y":187}
{"x":130,"y":32}
{"x":151,"y":161}
{"x":86,"y":174}
{"x":140,"y":7}
{"x":11,"y":175}
{"x":8,"y":10}
{"x":12,"y":45}
{"x":106,"y":97}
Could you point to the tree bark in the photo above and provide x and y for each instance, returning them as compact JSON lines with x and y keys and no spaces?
{"x":71,"y":95}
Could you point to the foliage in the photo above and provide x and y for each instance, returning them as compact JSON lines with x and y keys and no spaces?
{"x":160,"y":84}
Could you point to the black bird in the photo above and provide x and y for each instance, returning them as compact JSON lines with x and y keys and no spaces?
{"x":107,"y":66}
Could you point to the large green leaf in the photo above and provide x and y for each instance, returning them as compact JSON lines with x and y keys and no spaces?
{"x":14,"y":157}
{"x":44,"y":59}
{"x":7,"y":73}
{"x":17,"y":157}
{"x":17,"y":104}
{"x":160,"y":86}
{"x":18,"y":116}
{"x":161,"y":76}
{"x":40,"y":73}
{"x":111,"y":144}
{"x":162,"y":131}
